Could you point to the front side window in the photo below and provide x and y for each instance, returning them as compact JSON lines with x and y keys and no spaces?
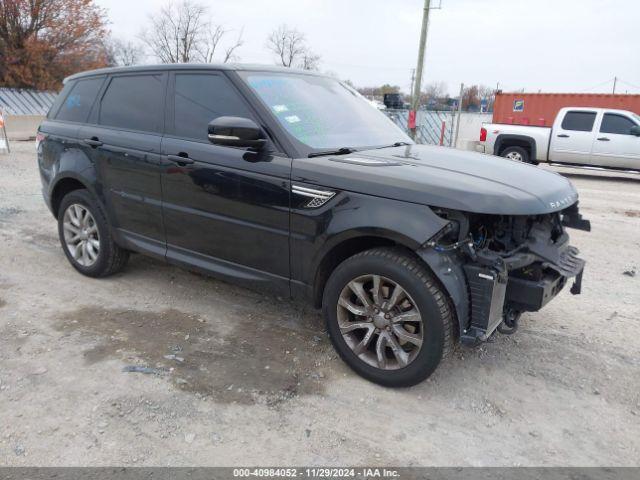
{"x":77,"y":105}
{"x":579,"y":121}
{"x":618,"y":124}
{"x":322,"y":112}
{"x":133,"y":103}
{"x":201,"y":98}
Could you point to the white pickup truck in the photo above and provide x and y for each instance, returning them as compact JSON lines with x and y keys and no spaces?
{"x":589,"y":137}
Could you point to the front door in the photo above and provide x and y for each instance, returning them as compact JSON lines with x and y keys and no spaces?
{"x":571,"y":141}
{"x":225,"y":209}
{"x":614,"y":145}
{"x":124,"y":140}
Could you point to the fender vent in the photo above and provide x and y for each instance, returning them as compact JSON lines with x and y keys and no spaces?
{"x":317,"y":198}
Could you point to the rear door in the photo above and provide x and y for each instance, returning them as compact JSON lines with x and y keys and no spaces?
{"x":572,"y":139}
{"x":614,"y":145}
{"x":226,"y":209}
{"x":125,"y":138}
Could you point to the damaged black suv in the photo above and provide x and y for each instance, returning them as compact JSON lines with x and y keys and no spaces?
{"x":291,"y":182}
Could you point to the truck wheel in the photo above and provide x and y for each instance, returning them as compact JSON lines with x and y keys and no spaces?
{"x":86,"y":237}
{"x":387,"y":317}
{"x":518,"y":154}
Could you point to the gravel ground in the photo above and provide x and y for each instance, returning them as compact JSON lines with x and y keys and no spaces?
{"x":243,"y":379}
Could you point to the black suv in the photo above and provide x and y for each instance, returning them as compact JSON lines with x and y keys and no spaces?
{"x":290,"y":181}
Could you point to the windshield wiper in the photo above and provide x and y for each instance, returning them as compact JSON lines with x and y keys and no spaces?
{"x":397,"y":144}
{"x":339,"y":151}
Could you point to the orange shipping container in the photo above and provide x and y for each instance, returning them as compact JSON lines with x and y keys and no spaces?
{"x":540,"y":109}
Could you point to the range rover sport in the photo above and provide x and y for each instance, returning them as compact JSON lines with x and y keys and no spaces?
{"x":290,"y":182}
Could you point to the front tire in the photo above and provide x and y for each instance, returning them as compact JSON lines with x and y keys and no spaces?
{"x":86,"y":238}
{"x":387,"y":317}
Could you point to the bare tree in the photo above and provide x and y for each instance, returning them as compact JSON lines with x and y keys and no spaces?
{"x":290,"y":47}
{"x":175,"y":31}
{"x":210,"y":41}
{"x":183,"y":33}
{"x":435,"y":90}
{"x":120,"y":53}
{"x":310,"y":61}
{"x":229,"y":53}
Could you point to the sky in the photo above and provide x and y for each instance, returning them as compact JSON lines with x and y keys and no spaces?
{"x":544,"y":45}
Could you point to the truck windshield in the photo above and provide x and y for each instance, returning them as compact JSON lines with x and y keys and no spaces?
{"x":323,"y":113}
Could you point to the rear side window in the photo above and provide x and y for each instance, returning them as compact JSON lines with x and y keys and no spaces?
{"x":619,"y":124}
{"x":133,"y":103}
{"x":200,"y":98}
{"x":78,"y":103}
{"x":579,"y":121}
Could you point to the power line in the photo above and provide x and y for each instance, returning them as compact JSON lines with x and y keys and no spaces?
{"x":602,"y":84}
{"x":629,"y":84}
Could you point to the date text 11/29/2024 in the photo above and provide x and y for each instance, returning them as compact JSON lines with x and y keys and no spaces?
{"x":316,"y":472}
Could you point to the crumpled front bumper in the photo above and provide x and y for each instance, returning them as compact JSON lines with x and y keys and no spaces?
{"x":525,"y":295}
{"x":494,"y":292}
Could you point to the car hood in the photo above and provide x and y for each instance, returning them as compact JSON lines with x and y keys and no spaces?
{"x":442,"y":177}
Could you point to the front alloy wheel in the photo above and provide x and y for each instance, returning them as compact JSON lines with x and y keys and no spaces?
{"x":387,"y":316}
{"x":380,"y":322}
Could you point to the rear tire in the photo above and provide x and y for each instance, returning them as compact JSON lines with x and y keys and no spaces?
{"x":518,"y":154}
{"x":357,"y":337}
{"x":86,"y":237}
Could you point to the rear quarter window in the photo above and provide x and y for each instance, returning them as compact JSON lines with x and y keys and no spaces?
{"x":78,"y":102}
{"x":579,"y":121}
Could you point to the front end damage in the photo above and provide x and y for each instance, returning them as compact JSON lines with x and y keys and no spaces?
{"x":495,"y":267}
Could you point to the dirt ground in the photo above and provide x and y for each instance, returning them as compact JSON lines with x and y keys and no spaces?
{"x":243,"y":379}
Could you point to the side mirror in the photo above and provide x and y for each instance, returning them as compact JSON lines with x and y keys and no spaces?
{"x":635,"y":130}
{"x":236,"y":132}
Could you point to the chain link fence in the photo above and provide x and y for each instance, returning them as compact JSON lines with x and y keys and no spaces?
{"x":432,"y":127}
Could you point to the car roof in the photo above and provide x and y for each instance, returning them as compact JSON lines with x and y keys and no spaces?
{"x":194,"y":66}
{"x":596,"y":109}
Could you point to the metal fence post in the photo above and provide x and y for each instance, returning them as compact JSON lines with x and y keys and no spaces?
{"x":455,"y":141}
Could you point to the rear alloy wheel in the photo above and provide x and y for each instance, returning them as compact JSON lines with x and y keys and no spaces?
{"x":81,"y":235}
{"x":518,"y":154}
{"x":387,"y":317}
{"x":86,"y":237}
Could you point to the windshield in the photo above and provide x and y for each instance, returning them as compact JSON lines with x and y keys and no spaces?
{"x":323,"y":113}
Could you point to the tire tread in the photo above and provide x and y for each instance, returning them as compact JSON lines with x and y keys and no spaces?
{"x":117,"y":256}
{"x":416,"y":266}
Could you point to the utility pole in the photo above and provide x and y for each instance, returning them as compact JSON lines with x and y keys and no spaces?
{"x":417,"y":85}
{"x":615,"y":83}
{"x":413,"y":79}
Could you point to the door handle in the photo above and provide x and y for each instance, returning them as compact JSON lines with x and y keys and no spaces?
{"x":603,"y":139}
{"x":180,"y":160}
{"x":93,"y":142}
{"x":562,"y":135}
